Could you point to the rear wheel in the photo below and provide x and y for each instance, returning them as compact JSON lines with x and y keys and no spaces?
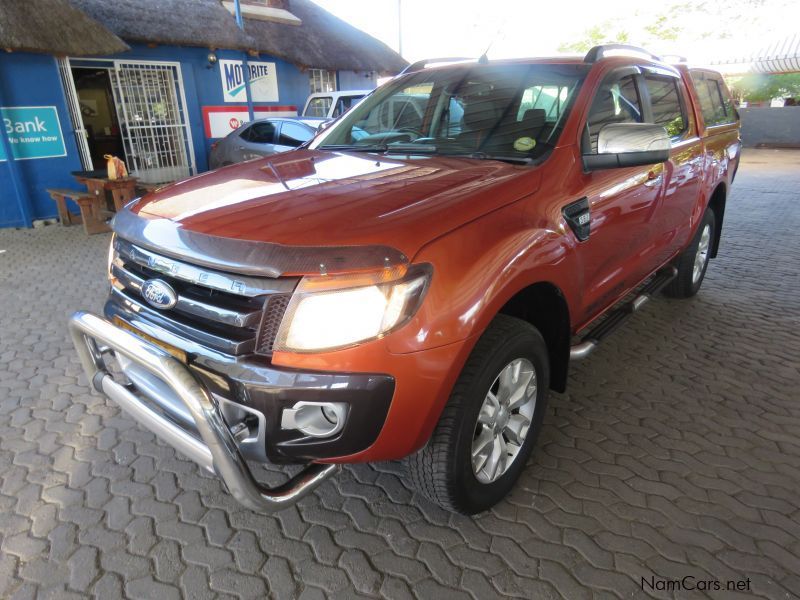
{"x":692,"y":264}
{"x":489,"y":426}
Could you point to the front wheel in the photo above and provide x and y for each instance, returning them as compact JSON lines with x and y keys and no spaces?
{"x":692,"y":264}
{"x":489,"y":426}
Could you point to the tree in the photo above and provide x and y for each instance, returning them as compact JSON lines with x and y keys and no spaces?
{"x":762,"y":88}
{"x":612,"y":32}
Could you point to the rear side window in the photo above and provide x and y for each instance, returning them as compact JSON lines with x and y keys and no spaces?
{"x":260,"y":133}
{"x":715,"y":105}
{"x":318,"y":107}
{"x":665,"y":101}
{"x":615,"y":102}
{"x":293,"y":134}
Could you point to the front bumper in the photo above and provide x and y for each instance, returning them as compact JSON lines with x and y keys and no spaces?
{"x":216,"y":448}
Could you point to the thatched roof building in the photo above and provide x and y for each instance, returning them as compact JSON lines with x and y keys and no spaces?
{"x":322,"y":40}
{"x":203,"y":23}
{"x":53,"y":27}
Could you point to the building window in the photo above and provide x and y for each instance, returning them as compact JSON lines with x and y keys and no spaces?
{"x":322,"y":80}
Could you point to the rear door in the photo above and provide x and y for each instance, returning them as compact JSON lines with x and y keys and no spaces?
{"x":719,"y":124}
{"x":668,"y":106}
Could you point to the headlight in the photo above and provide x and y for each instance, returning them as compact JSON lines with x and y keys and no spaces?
{"x":331,"y":312}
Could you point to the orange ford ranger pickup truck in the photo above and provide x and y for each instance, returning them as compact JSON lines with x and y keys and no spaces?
{"x":414,"y":280}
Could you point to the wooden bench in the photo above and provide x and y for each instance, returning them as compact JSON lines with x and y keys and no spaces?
{"x":93,"y":211}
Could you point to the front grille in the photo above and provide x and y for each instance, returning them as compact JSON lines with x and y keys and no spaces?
{"x":230,"y":313}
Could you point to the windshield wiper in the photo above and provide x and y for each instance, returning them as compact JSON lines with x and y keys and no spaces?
{"x":354,"y":147}
{"x":522,"y":160}
{"x":404,"y":148}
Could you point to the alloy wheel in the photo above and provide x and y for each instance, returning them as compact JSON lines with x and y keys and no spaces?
{"x":504,"y":420}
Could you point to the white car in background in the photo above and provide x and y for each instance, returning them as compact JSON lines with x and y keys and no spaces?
{"x":329,"y":105}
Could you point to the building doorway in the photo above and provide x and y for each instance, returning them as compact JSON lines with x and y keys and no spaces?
{"x":98,"y":112}
{"x":132,"y":109}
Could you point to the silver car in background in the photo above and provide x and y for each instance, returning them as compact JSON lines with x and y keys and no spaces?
{"x":262,"y":137}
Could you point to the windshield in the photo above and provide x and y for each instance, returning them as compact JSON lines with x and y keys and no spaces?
{"x":509,"y":112}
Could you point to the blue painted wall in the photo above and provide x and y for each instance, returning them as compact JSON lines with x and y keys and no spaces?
{"x":33,"y":80}
{"x":350,"y":80}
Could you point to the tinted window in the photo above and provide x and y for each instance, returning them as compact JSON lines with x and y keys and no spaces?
{"x":260,"y":133}
{"x":318,"y":107}
{"x":665,"y":101}
{"x":715,"y":105}
{"x":293,"y":134}
{"x":615,"y":102}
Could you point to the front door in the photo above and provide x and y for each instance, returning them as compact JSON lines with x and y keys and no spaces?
{"x":622,"y":204}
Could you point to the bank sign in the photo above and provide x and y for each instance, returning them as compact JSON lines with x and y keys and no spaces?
{"x":34,"y":132}
{"x":263,"y":81}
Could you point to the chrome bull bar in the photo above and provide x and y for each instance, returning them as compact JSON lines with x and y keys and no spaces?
{"x":216,"y":451}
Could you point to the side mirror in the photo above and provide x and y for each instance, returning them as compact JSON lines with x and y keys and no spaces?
{"x":628,"y":145}
{"x":324,"y":125}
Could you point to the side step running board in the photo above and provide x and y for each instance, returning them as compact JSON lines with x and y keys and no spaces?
{"x":620,"y":315}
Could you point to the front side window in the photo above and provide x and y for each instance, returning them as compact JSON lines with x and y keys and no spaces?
{"x":293,"y":134}
{"x":665,"y":101}
{"x":478,"y":111}
{"x":617,"y":101}
{"x":260,"y":133}
{"x":318,"y":107}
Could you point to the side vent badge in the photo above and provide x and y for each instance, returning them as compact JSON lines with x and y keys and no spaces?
{"x":578,"y":218}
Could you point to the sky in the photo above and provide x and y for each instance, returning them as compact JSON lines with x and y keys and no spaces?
{"x":707,"y":29}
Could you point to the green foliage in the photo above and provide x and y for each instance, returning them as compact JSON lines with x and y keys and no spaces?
{"x":603,"y":33}
{"x":612,"y":32}
{"x":761,"y":88}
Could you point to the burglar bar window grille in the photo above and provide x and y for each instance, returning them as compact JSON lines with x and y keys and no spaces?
{"x":322,"y":80}
{"x":151,"y":107}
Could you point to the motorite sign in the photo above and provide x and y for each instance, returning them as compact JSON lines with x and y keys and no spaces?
{"x":263,"y":81}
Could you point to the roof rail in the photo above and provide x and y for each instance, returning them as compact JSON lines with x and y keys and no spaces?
{"x":606,"y":50}
{"x":421,"y":64}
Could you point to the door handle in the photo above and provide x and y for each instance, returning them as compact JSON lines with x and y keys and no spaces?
{"x":654,"y":179}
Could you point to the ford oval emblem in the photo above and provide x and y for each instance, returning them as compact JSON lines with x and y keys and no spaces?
{"x":159,"y":294}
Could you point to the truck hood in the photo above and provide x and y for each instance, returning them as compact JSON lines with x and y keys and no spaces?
{"x":332,"y":199}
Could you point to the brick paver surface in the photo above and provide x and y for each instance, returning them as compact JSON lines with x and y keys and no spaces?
{"x":675,"y":452}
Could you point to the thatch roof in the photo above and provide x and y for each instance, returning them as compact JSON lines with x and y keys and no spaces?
{"x":203,"y":23}
{"x":322,"y":41}
{"x":53,"y":27}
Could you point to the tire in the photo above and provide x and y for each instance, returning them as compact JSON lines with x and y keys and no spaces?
{"x":443,"y":470}
{"x":689,"y":279}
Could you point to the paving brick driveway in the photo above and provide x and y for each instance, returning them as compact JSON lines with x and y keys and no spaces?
{"x":676,"y":452}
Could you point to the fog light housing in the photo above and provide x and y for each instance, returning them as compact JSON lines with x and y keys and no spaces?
{"x":315,"y":419}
